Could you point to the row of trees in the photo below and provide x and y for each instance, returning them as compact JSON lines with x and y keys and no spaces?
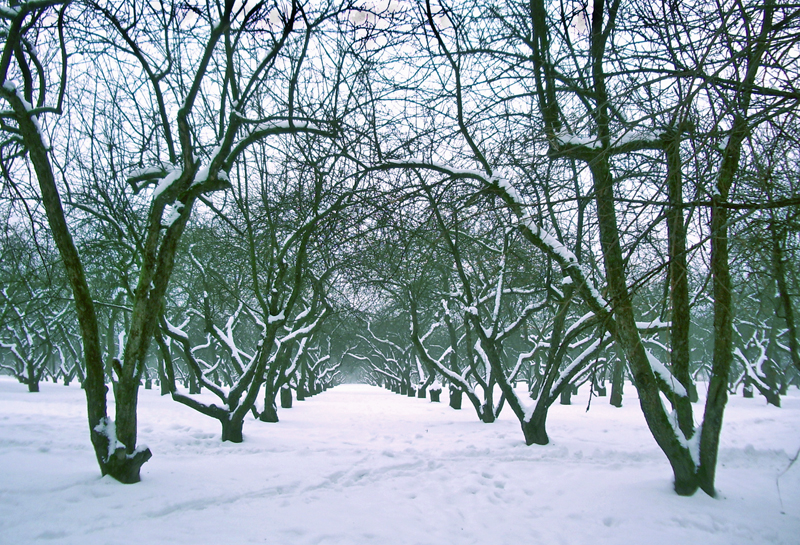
{"x":253,"y":194}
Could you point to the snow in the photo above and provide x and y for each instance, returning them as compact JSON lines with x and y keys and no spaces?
{"x":11,"y":86}
{"x":549,"y":240}
{"x":693,"y":444}
{"x":510,"y":190}
{"x":9,"y":12}
{"x":358,"y":464}
{"x":166,"y":182}
{"x":146,"y":171}
{"x":591,"y":142}
{"x":202,"y":173}
{"x":106,"y":427}
{"x":279,"y":125}
{"x":178,"y":330}
{"x":753,"y":375}
{"x":580,"y":360}
{"x":277,"y":317}
{"x":566,"y":139}
{"x":658,"y":323}
{"x":173,"y":213}
{"x":593,"y":290}
{"x":661,"y":370}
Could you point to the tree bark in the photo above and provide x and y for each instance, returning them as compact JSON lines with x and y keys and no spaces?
{"x":678,"y":283}
{"x":626,"y":334}
{"x":720,"y":267}
{"x":232,"y":430}
{"x":455,"y":397}
{"x":535,"y":430}
{"x":784,"y":296}
{"x":286,"y":398}
{"x":270,"y":412}
{"x":123,"y":468}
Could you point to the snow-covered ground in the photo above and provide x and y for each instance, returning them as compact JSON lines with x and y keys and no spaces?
{"x":358,"y":465}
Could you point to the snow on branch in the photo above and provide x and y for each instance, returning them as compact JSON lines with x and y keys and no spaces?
{"x":296,"y":359}
{"x":653,"y":326}
{"x":691,"y":444}
{"x":578,"y":362}
{"x":434,"y":327}
{"x":263,"y":130}
{"x":522,"y":358}
{"x":384,"y":341}
{"x":751,"y":371}
{"x":578,"y":323}
{"x":328,"y":370}
{"x":532,"y":307}
{"x":540,"y":237}
{"x":667,"y":379}
{"x":626,"y":142}
{"x":381,"y":371}
{"x":307,"y":330}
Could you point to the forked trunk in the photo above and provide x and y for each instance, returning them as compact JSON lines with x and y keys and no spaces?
{"x":119,"y":465}
{"x":126,"y":467}
{"x":626,"y":334}
{"x":535,"y":430}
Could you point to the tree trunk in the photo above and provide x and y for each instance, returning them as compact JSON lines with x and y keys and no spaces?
{"x":487,"y":410}
{"x":286,"y":398}
{"x":127,"y":394}
{"x":194,"y":384}
{"x":617,"y":383}
{"x":33,"y":377}
{"x":626,"y":334}
{"x":747,"y":388}
{"x":232,"y":430}
{"x":785,"y":297}
{"x":123,"y":468}
{"x":270,"y":413}
{"x":600,"y":391}
{"x":720,"y":266}
{"x":723,"y":345}
{"x":455,"y":397}
{"x":535,"y":429}
{"x":126,"y":467}
{"x":679,"y":284}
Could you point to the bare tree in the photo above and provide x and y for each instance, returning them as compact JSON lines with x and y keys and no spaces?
{"x":208,"y":99}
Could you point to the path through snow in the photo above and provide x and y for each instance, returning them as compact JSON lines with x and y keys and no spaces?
{"x":358,"y":465}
